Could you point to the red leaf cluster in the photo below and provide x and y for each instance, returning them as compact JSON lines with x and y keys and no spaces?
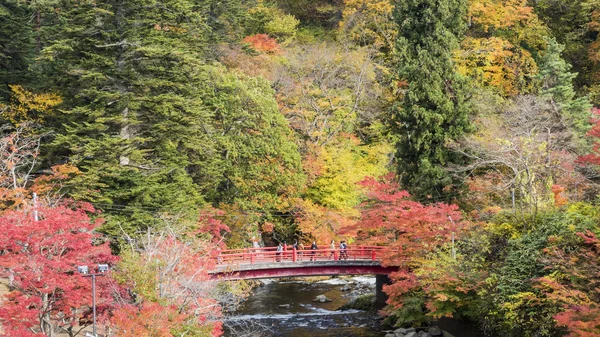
{"x":410,"y":228}
{"x":40,"y":259}
{"x":262,"y":43}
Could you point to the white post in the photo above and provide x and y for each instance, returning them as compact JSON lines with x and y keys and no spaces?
{"x":35,"y":212}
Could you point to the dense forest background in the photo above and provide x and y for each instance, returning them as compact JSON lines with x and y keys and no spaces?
{"x":390,"y":122}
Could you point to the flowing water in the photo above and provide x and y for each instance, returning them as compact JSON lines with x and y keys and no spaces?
{"x":261,"y":314}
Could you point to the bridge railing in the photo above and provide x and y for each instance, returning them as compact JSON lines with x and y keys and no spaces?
{"x":271,"y":255}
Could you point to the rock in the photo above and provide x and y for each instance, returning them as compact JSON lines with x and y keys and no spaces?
{"x":424,"y":334}
{"x":409,"y":330}
{"x":400,"y":331}
{"x":434,"y":331}
{"x":321,"y":298}
{"x":390,"y":335}
{"x":285,"y":306}
{"x":411,"y":334}
{"x":346,"y":288}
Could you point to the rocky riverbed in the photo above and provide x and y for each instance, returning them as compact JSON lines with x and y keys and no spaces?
{"x":310,"y":308}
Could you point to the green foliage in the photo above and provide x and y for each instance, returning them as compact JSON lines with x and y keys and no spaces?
{"x":510,"y":303}
{"x":153,"y":128}
{"x":282,"y":27}
{"x":17,"y":45}
{"x":557,"y":83}
{"x":434,"y":108}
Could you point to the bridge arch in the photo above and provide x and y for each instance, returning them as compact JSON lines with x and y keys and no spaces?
{"x":262,"y":263}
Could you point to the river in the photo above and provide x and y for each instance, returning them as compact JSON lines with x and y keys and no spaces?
{"x":262,"y":316}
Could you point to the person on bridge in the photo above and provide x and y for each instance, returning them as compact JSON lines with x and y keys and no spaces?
{"x":313,"y":247}
{"x":278,"y":253}
{"x":300,"y":250}
{"x":343,"y":251}
{"x":332,"y":247}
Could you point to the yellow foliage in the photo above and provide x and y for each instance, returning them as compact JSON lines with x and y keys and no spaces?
{"x":514,"y":17}
{"x":369,"y":22}
{"x":497,"y":63}
{"x":26,"y":106}
{"x":344,"y":165}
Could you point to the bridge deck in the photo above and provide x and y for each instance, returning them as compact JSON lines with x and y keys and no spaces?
{"x":267,"y":263}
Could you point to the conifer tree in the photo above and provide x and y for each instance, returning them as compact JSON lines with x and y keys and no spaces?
{"x":434,"y":109}
{"x":557,"y":84}
{"x":152,"y":126}
{"x":16,"y":44}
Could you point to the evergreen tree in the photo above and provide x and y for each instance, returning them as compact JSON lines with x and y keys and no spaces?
{"x":16,"y":44}
{"x":557,"y":84}
{"x":435,"y":108}
{"x":150,"y":124}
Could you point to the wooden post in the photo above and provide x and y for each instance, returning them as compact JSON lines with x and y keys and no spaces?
{"x":373,"y":256}
{"x":251,"y":258}
{"x":294,"y":256}
{"x":336,"y":255}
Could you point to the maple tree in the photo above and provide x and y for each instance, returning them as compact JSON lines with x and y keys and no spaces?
{"x":594,"y":157}
{"x":40,"y":260}
{"x":262,"y":43}
{"x":574,"y":284}
{"x":409,"y":228}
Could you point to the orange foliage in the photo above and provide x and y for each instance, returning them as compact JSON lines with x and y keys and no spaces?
{"x":409,"y":228}
{"x":262,"y":43}
{"x":321,"y":222}
{"x":152,"y":320}
{"x":559,"y":197}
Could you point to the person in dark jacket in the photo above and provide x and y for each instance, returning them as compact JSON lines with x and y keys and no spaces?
{"x":313,"y":247}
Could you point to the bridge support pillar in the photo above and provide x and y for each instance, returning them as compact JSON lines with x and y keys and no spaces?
{"x":380,"y":296}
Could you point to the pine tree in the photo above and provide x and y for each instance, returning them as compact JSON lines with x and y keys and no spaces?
{"x":151,"y":124}
{"x":434,"y":109}
{"x":557,"y":84}
{"x":16,"y":44}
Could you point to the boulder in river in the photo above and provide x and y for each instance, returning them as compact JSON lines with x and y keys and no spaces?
{"x":434,"y":331}
{"x":285,"y":306}
{"x":390,"y":335}
{"x":346,"y":288}
{"x":411,"y":334}
{"x":321,"y":298}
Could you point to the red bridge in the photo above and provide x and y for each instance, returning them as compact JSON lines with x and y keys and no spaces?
{"x":257,"y":263}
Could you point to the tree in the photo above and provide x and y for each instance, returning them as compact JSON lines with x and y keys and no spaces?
{"x":496,"y":63}
{"x":434,"y":108}
{"x":152,"y":127}
{"x":574,"y":286}
{"x":527,"y":149}
{"x":557,"y":83}
{"x":369,"y":23}
{"x":16,"y":45}
{"x":411,"y":230}
{"x":167,"y":271}
{"x":40,"y":260}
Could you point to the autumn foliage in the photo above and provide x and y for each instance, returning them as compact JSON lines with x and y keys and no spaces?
{"x":262,"y":43}
{"x":575,"y":285}
{"x":410,"y":229}
{"x":40,"y":259}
